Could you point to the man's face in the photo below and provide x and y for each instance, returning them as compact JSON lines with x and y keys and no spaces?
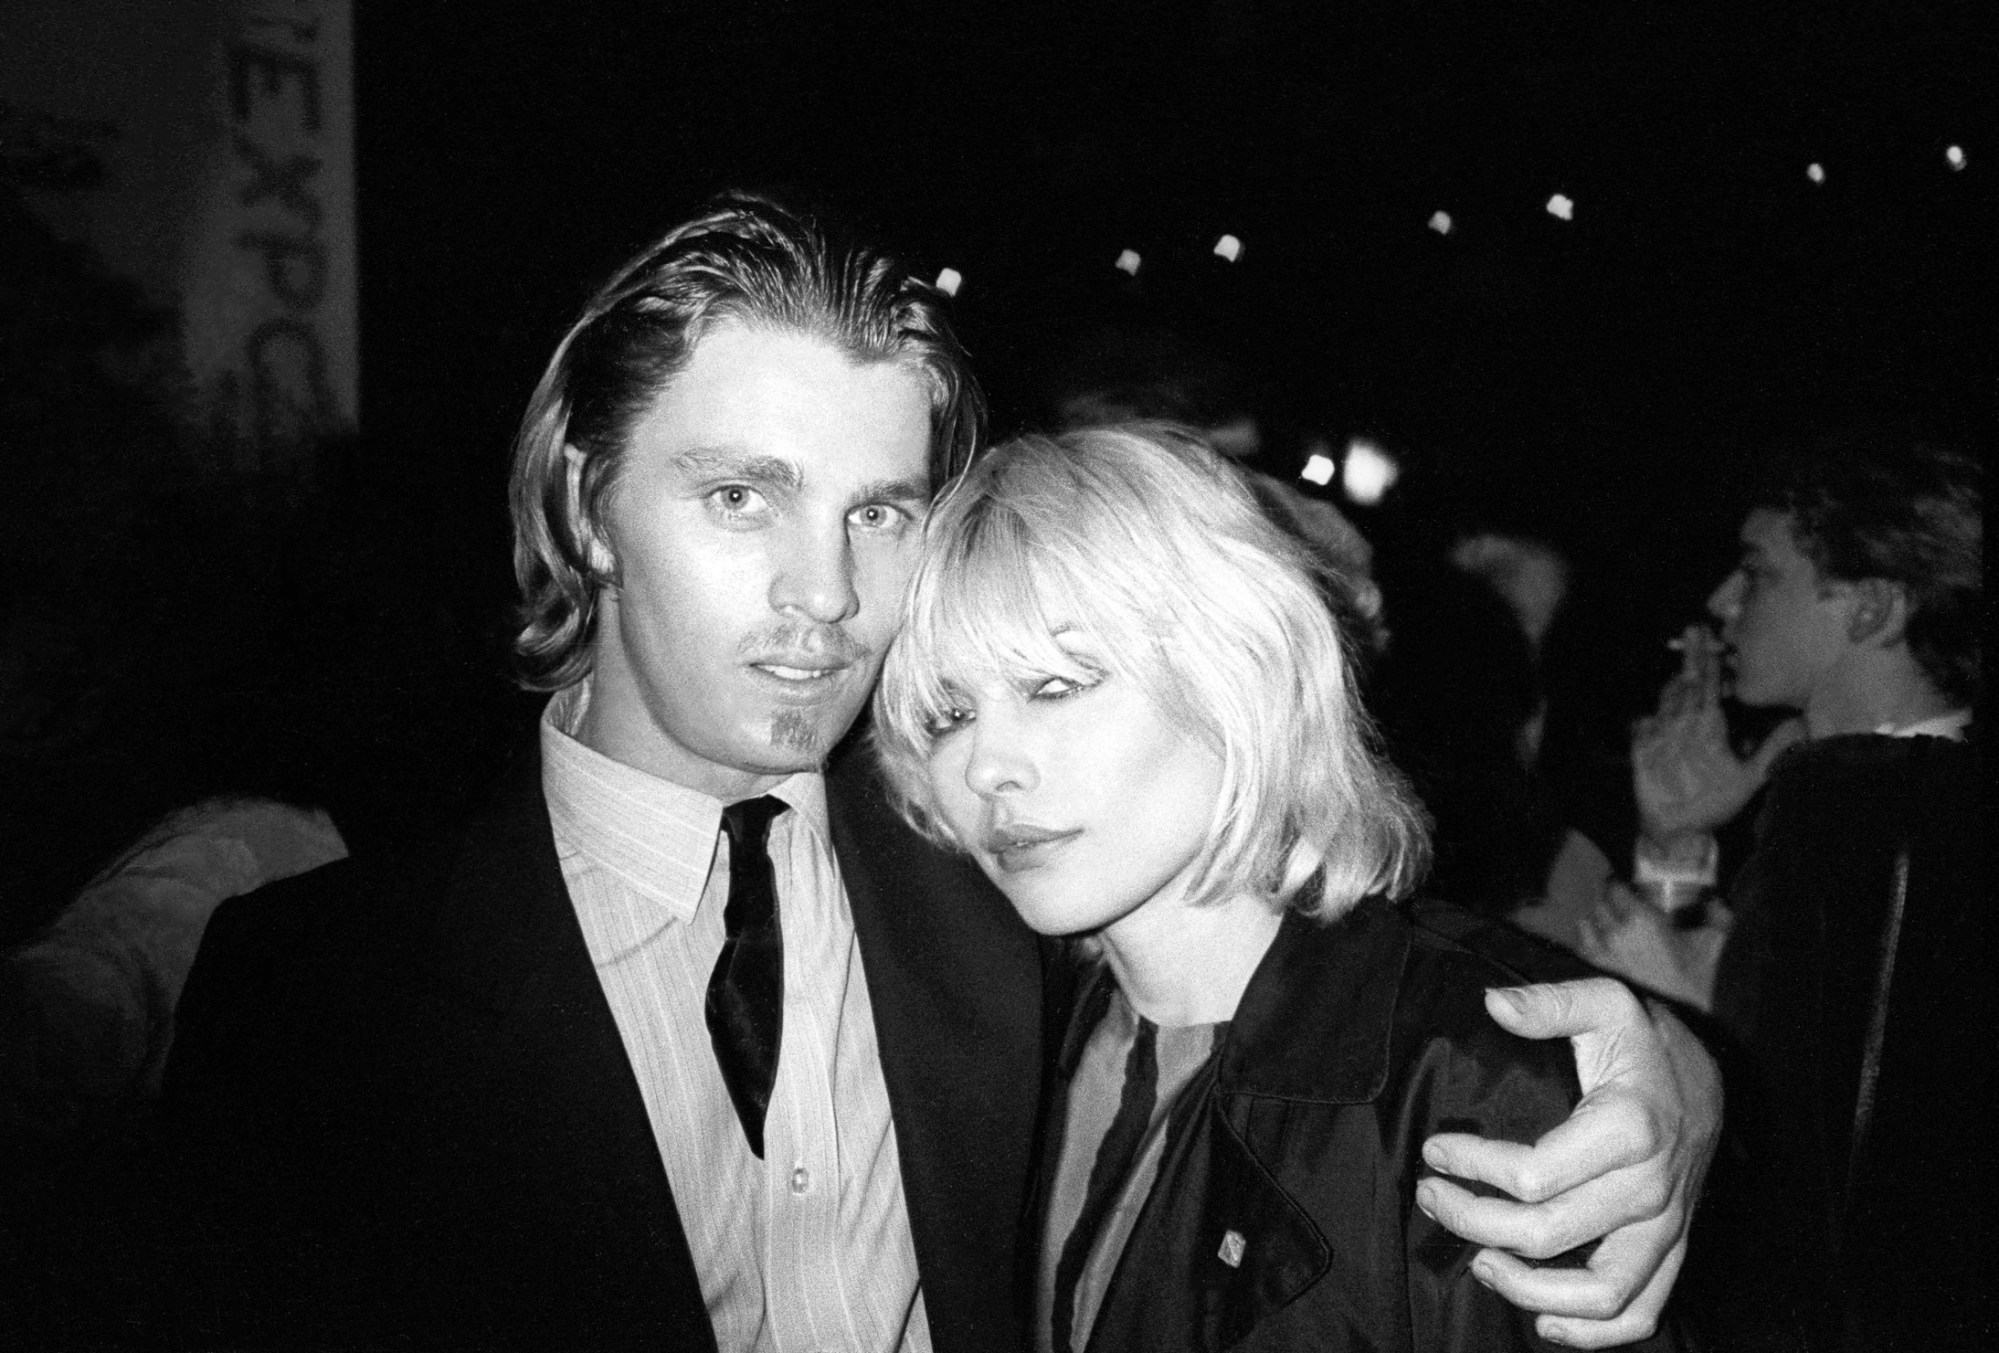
{"x":1785,"y":626}
{"x":763,"y":528}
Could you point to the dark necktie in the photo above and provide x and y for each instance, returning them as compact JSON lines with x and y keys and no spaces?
{"x":746,"y":992}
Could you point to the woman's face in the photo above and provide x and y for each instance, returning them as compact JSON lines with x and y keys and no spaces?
{"x":1075,"y":794}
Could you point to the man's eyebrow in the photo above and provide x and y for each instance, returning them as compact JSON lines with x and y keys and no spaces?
{"x":716,"y":461}
{"x":915,"y":488}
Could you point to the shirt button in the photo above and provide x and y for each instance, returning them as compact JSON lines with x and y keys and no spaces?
{"x":801,"y":1180}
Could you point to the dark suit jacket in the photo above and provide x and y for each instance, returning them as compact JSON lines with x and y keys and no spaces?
{"x":1797,"y":990}
{"x":1353,"y":1043}
{"x":405,"y":1116}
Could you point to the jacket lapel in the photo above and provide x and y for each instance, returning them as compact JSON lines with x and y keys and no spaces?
{"x":554,"y":1187}
{"x":1223,"y":1243}
{"x":955,"y":984}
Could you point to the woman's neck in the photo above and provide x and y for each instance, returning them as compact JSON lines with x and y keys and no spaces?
{"x":1183,"y":964}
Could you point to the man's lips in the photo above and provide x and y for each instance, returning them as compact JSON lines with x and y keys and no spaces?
{"x":1024,"y":846}
{"x":800,"y":675}
{"x":798,"y":671}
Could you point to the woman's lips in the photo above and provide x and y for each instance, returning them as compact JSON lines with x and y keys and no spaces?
{"x":1022,"y":847}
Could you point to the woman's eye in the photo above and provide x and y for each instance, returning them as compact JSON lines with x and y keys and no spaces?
{"x":1055,"y":688}
{"x":947,"y":719}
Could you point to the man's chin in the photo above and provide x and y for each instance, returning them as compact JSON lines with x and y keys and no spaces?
{"x":800,"y":739}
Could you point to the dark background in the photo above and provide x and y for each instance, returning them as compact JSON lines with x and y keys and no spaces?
{"x":1705,"y":290}
{"x":1603,"y":381}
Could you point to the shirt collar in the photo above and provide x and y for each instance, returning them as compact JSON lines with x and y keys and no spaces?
{"x":1951,"y":725}
{"x":656,"y":837}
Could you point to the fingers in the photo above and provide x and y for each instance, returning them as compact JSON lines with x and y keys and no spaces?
{"x":1535,"y":1230}
{"x":1698,"y":682}
{"x":1566,"y":1009}
{"x":1620,"y":906}
{"x":1629,"y":1092}
{"x":1611,"y":1170}
{"x":1597,"y":1170}
{"x":1702,"y":642}
{"x":1617,"y":1299}
{"x":1639,"y":1320}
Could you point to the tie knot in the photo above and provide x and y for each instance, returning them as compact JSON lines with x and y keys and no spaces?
{"x":748,"y":822}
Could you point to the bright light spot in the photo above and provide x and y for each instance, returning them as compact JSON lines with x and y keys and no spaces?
{"x":1318,"y":470}
{"x":1955,"y":155}
{"x":949,"y":281}
{"x":1369,"y":472}
{"x":1128,"y":261}
{"x":1560,"y":206}
{"x":1815,"y":172}
{"x":1441,"y":223}
{"x":1229,"y":247}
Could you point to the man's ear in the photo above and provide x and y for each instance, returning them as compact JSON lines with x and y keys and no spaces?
{"x":1879,"y":614}
{"x":602,"y":562}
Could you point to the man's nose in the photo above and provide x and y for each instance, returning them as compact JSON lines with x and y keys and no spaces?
{"x":816,"y":578}
{"x":1725,"y":602}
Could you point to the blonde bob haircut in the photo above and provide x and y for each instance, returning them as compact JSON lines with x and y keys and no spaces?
{"x":1147,"y":541}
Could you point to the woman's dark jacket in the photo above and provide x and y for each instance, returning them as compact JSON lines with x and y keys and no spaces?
{"x":1353,"y":1043}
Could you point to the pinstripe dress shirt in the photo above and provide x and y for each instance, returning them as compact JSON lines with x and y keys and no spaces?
{"x":808,"y":1248}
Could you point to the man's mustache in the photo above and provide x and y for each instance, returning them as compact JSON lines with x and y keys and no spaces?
{"x":827,"y":645}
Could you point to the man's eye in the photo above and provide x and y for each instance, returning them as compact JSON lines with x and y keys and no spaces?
{"x":880,"y":517}
{"x":736,"y":498}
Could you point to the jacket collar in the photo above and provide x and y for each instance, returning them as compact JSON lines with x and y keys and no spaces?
{"x":1341,"y":978}
{"x":506,"y":913}
{"x":1338,"y":981}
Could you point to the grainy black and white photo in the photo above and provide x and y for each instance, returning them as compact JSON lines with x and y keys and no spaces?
{"x":1102,"y":677}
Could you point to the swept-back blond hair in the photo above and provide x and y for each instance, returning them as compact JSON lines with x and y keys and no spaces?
{"x":746,"y":259}
{"x":1146,"y":540}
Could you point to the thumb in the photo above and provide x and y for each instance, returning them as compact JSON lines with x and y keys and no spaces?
{"x":1562,"y":1009}
{"x":1783,"y":737}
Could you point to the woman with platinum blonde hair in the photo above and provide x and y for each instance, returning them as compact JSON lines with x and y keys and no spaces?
{"x":1119,"y":690}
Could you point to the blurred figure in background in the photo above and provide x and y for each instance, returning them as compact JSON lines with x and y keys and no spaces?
{"x":1532,"y":577}
{"x":86,"y":1005}
{"x":1121,"y":375}
{"x":1850,"y":961}
{"x":1459,"y":699}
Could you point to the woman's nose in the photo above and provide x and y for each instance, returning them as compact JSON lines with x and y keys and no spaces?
{"x":1000,"y":762}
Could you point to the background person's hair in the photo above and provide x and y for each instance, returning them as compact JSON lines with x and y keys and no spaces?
{"x":745,"y":259}
{"x":1152,"y":544}
{"x":1883,"y":506}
